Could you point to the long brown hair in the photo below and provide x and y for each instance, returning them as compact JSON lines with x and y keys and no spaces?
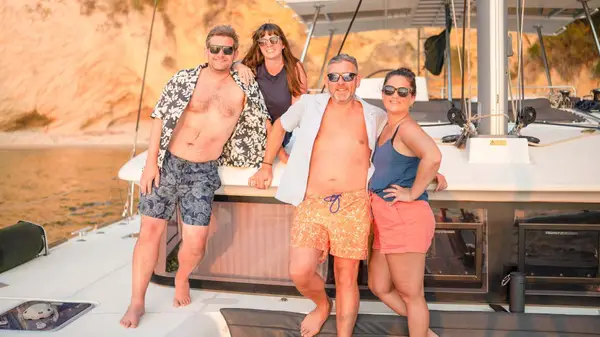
{"x":254,"y":57}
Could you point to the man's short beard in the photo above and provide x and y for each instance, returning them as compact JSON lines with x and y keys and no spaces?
{"x":219,"y":69}
{"x":350,"y":96}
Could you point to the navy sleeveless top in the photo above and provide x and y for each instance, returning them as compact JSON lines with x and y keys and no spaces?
{"x":276,"y":93}
{"x":392,"y":168}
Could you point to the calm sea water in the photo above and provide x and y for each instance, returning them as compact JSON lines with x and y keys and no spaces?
{"x":63,"y":189}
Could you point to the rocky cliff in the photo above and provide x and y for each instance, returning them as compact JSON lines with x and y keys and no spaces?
{"x":77,"y":66}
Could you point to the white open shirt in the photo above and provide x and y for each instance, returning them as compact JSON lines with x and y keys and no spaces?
{"x":307,"y":114}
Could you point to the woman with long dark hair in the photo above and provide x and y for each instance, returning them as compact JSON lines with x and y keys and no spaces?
{"x":280,"y":75}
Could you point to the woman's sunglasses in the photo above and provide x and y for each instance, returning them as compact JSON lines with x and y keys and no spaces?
{"x":272,"y":40}
{"x":402,"y":91}
{"x":227,"y":50}
{"x":347,"y":77}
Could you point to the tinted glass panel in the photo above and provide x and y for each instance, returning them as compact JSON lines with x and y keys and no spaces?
{"x":561,"y":253}
{"x":452,"y":252}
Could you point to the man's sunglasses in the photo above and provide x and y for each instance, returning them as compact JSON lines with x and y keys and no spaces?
{"x":272,"y":40}
{"x":347,"y":77}
{"x":402,"y":91}
{"x":227,"y":50}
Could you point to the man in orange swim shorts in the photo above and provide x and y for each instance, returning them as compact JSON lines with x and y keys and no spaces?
{"x":326,"y":179}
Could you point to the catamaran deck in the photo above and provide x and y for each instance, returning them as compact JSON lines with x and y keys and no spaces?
{"x":68,"y":274}
{"x":560,"y":173}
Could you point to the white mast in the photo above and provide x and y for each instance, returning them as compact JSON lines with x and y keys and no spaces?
{"x":492,"y":21}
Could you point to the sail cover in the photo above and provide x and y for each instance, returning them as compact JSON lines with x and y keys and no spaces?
{"x":435,"y":47}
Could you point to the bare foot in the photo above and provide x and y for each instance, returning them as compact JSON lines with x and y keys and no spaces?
{"x":312,"y":323}
{"x":182,"y":293}
{"x":430,"y":333}
{"x":132,"y":317}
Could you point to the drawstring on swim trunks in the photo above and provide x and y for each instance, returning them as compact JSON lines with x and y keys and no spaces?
{"x":332,"y":199}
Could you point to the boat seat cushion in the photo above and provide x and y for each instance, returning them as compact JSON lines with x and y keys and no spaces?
{"x":20,"y":243}
{"x":265,"y":323}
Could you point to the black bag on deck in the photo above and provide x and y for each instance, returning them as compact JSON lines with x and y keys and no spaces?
{"x":20,"y":243}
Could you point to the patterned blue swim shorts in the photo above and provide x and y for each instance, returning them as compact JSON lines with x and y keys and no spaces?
{"x":190,"y":185}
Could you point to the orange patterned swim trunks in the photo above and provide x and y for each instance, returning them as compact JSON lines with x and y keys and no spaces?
{"x":338,"y":223}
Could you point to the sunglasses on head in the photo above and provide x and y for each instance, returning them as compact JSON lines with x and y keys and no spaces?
{"x":272,"y":40}
{"x":347,"y":77}
{"x":402,"y":91}
{"x":227,"y":50}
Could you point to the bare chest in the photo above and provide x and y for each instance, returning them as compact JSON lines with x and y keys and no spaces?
{"x":347,"y":133}
{"x":226,"y":101}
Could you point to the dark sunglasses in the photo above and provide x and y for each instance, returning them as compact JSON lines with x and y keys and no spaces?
{"x":272,"y":40}
{"x":227,"y":50}
{"x":347,"y":77}
{"x":402,"y":91}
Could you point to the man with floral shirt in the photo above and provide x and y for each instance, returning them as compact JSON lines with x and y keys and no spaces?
{"x":205,"y":117}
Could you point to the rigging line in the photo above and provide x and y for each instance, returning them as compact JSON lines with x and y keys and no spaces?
{"x":566,"y":140}
{"x":462,"y":77}
{"x":347,"y":32}
{"x":350,"y":26}
{"x":522,"y":61}
{"x":584,"y":127}
{"x":455,"y":36}
{"x":521,"y":68}
{"x":468,"y":61}
{"x":129,"y":203}
{"x":518,"y":86}
{"x":486,"y":116}
{"x":512,"y":100}
{"x":137,"y":123}
{"x":585,"y":135}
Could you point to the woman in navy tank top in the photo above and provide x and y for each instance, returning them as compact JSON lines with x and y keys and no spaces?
{"x":406,"y":161}
{"x":280,"y":75}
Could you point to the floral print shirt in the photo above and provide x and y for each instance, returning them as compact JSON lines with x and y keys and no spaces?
{"x":246,"y":145}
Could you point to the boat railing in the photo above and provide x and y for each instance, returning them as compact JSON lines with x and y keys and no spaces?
{"x":529,"y":89}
